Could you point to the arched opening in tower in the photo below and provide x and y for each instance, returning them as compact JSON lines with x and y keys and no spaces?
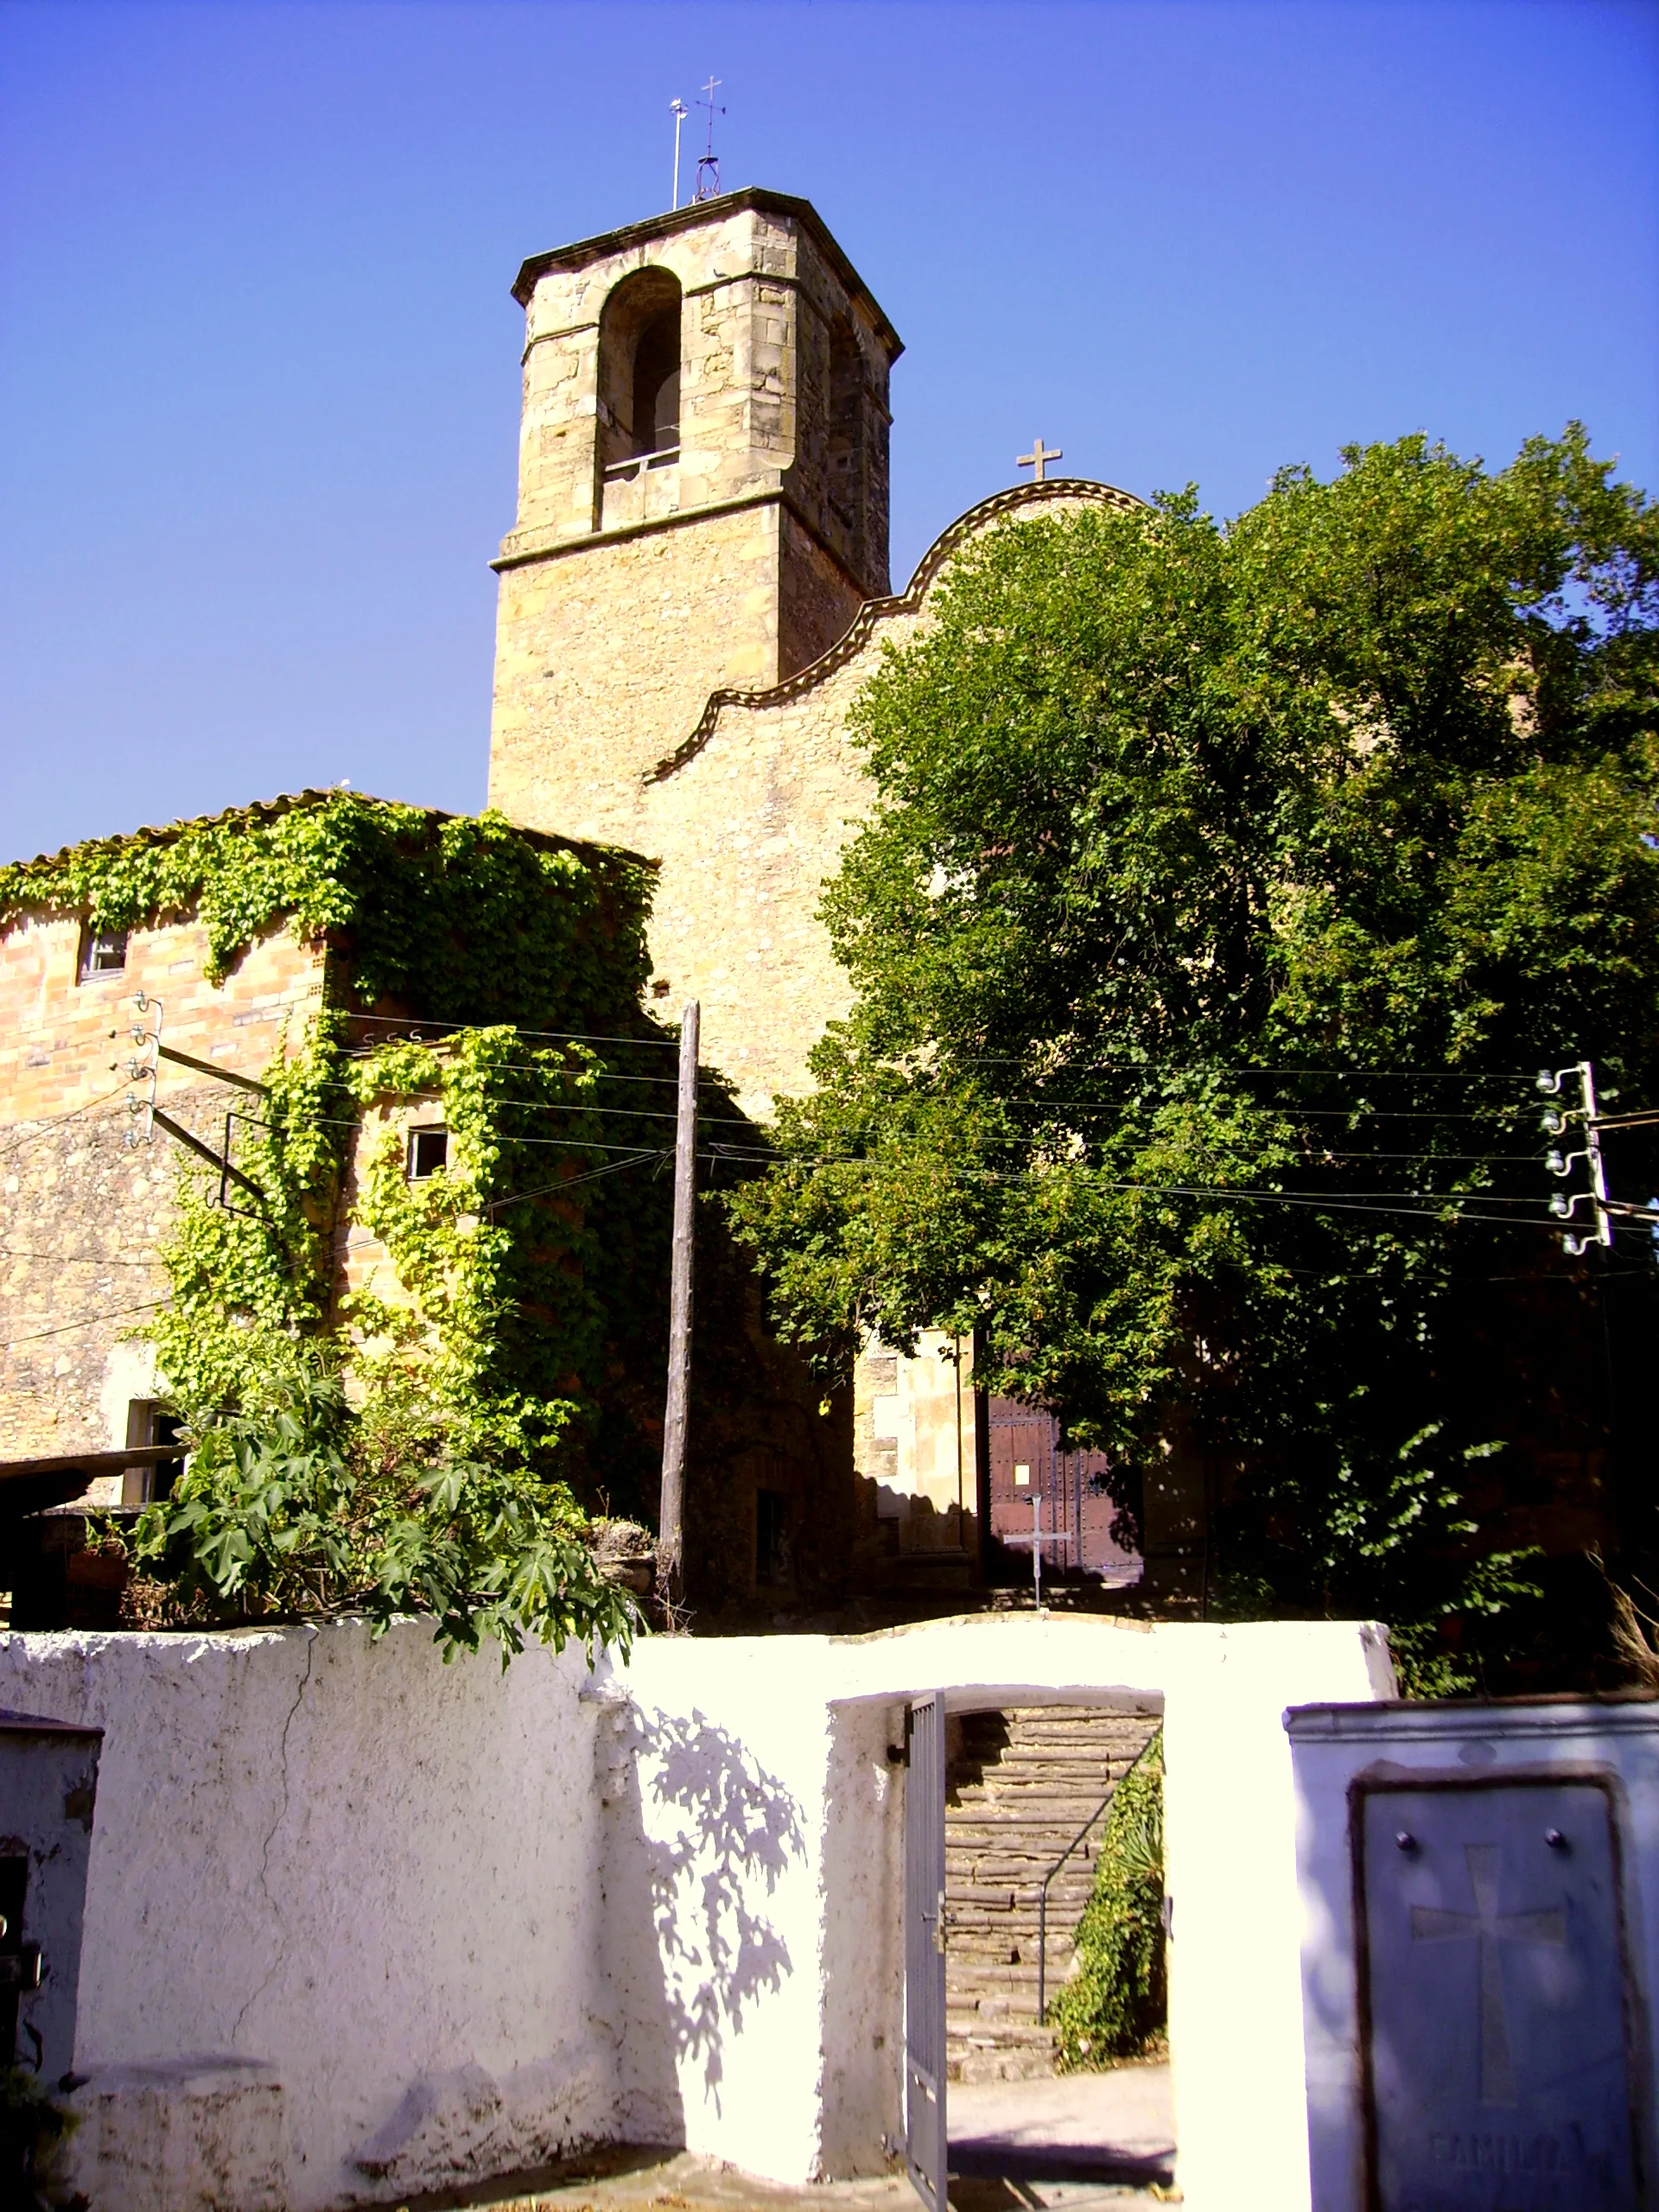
{"x":639,"y":379}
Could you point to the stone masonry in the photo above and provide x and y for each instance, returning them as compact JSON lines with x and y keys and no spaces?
{"x":679,"y":640}
{"x":1021,"y":1786}
{"x":81,"y":1210}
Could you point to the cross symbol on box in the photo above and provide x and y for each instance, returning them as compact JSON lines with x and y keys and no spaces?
{"x":1491,"y":1929}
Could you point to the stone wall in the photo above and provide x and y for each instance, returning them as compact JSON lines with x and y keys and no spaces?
{"x":661,"y":1902}
{"x":748,"y":816}
{"x":64,"y":1042}
{"x":82,"y":1210}
{"x":784,"y":367}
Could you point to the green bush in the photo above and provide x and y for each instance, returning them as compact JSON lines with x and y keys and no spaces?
{"x":1114,"y":2005}
{"x":33,"y":2130}
{"x":303,"y":1507}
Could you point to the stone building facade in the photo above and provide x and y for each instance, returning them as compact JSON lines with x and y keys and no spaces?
{"x":84,"y":1204}
{"x":693,"y":592}
{"x":691,"y":600}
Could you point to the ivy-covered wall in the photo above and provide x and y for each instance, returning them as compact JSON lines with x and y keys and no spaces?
{"x":469,"y":932}
{"x":490,"y":978}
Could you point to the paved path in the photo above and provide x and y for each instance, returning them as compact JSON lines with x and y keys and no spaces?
{"x":1117,"y":2125}
{"x":1087,"y":2141}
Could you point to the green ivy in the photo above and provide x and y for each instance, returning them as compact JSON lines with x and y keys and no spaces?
{"x":1114,"y":2005}
{"x":458,"y":917}
{"x":498,"y":1265}
{"x":520,"y":1283}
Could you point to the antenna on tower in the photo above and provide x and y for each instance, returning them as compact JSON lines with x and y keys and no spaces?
{"x":708,"y":186}
{"x":679,"y":111}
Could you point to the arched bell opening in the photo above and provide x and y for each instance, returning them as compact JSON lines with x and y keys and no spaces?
{"x":639,"y":389}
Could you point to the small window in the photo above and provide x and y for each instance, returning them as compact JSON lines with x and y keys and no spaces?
{"x":103,"y":952}
{"x":429,"y":1151}
{"x":771,"y":1537}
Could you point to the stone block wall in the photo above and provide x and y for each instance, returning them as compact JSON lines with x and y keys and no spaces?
{"x":748,"y":816}
{"x":60,"y":1035}
{"x":784,"y":369}
{"x":83,"y":1211}
{"x":606,"y":656}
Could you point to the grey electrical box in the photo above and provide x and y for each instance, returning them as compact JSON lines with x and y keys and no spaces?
{"x":49,"y":1780}
{"x":1479,"y":1887}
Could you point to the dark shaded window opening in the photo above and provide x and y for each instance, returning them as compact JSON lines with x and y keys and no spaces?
{"x":429,"y":1151}
{"x":656,"y":410}
{"x":103,"y":952}
{"x":14,"y":1977}
{"x":771,"y":1537}
{"x":639,"y":376}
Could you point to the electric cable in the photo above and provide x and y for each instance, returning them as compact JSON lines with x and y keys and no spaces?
{"x":89,"y":1321}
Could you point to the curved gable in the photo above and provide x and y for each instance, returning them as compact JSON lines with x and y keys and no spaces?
{"x":1058,"y":491}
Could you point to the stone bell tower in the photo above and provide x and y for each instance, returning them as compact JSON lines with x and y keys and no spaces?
{"x":702,"y":494}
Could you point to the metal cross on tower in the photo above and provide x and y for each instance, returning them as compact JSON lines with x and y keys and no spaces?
{"x":708,"y":187}
{"x":1034,"y":1544}
{"x":1036,"y":458}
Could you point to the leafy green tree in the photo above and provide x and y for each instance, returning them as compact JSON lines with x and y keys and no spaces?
{"x":1227,"y":883}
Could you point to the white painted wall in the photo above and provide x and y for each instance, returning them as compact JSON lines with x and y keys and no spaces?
{"x":453,"y":1922}
{"x":807,"y":2078}
{"x":369,"y":1871}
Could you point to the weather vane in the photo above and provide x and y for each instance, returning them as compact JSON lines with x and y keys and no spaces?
{"x":679,"y":111}
{"x":708,"y":168}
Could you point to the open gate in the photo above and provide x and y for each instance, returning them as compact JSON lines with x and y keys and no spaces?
{"x":925,"y":2140}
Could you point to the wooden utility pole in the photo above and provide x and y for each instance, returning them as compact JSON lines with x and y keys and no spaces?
{"x":668,"y":1543}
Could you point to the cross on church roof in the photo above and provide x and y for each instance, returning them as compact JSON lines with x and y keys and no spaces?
{"x":1039,"y":453}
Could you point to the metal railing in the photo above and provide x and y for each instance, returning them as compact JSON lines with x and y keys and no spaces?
{"x":1042,"y":1906}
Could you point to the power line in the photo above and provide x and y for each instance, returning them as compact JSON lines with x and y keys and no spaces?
{"x":1436,"y":1209}
{"x":56,"y":1120}
{"x":1257,"y":1067}
{"x":91,"y":1321}
{"x":564,"y":1036}
{"x":76,"y":1259}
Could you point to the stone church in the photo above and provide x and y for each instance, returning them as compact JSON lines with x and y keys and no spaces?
{"x":694,"y":591}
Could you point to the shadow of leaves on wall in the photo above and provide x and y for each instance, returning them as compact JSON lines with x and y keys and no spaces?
{"x":735,"y":1830}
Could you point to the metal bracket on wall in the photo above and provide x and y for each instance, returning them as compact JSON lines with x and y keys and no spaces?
{"x":220,"y":1159}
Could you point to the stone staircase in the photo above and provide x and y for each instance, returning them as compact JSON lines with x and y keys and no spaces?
{"x":1021,"y":1784}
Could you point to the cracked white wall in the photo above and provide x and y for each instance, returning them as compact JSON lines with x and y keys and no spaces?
{"x":359,"y":1925}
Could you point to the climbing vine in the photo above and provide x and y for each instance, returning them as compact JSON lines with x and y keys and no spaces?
{"x":392,"y":1387}
{"x":1114,"y":2006}
{"x":460,"y":917}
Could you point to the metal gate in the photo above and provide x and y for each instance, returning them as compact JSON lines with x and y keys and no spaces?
{"x":925,"y":2137}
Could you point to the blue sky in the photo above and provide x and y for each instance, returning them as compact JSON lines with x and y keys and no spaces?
{"x":258,"y":363}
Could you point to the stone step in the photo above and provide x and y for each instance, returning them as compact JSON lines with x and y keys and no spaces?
{"x":987,"y":1978}
{"x":1023,"y":2035}
{"x":1006,"y":1916}
{"x":1022,"y":1787}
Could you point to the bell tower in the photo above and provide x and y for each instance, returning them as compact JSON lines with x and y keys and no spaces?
{"x":702,"y":493}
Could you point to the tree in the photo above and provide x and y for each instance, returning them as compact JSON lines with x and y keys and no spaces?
{"x":1227,"y":883}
